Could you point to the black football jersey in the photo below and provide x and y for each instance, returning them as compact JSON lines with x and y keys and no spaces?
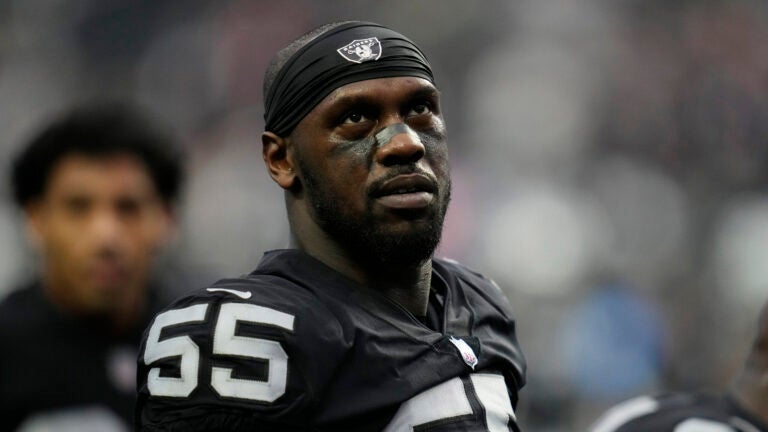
{"x":64,"y":373}
{"x":296,"y":346}
{"x":679,"y":412}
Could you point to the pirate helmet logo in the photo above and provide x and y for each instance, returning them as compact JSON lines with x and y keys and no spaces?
{"x":361,"y":50}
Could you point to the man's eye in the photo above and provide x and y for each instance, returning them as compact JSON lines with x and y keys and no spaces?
{"x":420,"y":109}
{"x":77,"y":205}
{"x":354,"y":117}
{"x":128,"y":207}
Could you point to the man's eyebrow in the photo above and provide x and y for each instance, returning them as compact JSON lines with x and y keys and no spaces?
{"x":425,"y":92}
{"x":353,"y":100}
{"x":362,"y":99}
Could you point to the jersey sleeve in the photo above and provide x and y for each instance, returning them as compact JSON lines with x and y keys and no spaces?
{"x":237,"y":357}
{"x":667,"y":413}
{"x":627,"y":416}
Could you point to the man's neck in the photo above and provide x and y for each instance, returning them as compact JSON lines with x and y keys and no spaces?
{"x":122,"y":316}
{"x":406,"y":285}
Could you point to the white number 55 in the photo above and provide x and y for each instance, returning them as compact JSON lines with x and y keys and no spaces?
{"x":225,"y":342}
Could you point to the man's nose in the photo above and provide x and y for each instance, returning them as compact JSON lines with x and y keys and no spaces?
{"x":105,"y":227}
{"x":398,"y":144}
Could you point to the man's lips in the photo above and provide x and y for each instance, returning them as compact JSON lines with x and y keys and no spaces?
{"x":406,"y":191}
{"x":411,"y":200}
{"x":107,"y":272}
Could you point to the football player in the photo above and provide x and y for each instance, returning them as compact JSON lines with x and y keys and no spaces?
{"x":96,"y":187}
{"x":354,"y":327}
{"x":743,"y":408}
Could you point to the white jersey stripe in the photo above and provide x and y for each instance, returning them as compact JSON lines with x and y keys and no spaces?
{"x":624,"y":413}
{"x":743,"y":425}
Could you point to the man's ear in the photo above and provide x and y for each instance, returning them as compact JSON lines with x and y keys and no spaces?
{"x":168,"y":224}
{"x":277,"y":159}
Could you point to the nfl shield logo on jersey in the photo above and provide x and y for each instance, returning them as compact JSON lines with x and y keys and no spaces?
{"x":361,"y":50}
{"x":466,"y":352}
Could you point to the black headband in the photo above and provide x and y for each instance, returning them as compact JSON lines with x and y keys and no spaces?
{"x":351,"y":52}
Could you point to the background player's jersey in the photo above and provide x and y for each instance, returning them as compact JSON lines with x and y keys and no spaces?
{"x":679,"y":412}
{"x":297,"y":346}
{"x":59,"y":372}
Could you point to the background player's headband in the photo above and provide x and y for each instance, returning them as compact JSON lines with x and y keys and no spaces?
{"x":348,"y":53}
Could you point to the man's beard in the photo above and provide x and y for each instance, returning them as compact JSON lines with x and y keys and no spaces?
{"x":364,"y":237}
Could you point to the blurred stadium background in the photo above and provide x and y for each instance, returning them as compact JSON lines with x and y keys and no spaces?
{"x":609,"y":161}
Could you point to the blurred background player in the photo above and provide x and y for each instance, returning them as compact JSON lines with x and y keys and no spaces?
{"x":97,"y":188}
{"x":743,"y":408}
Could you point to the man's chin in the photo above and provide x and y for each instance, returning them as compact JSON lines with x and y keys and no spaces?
{"x":397,"y":248}
{"x":391,"y":238}
{"x":406,"y":230}
{"x":102,"y":296}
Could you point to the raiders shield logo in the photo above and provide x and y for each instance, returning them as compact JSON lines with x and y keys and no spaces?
{"x":361,"y":50}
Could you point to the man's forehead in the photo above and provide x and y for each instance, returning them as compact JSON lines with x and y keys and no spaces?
{"x":80,"y":161}
{"x":349,"y":53}
{"x":405,"y":86}
{"x":79,"y":170}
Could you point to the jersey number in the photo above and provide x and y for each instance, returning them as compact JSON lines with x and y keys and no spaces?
{"x":448,"y":402}
{"x":225,"y":342}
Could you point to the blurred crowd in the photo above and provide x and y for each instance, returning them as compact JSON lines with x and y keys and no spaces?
{"x":609,"y":161}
